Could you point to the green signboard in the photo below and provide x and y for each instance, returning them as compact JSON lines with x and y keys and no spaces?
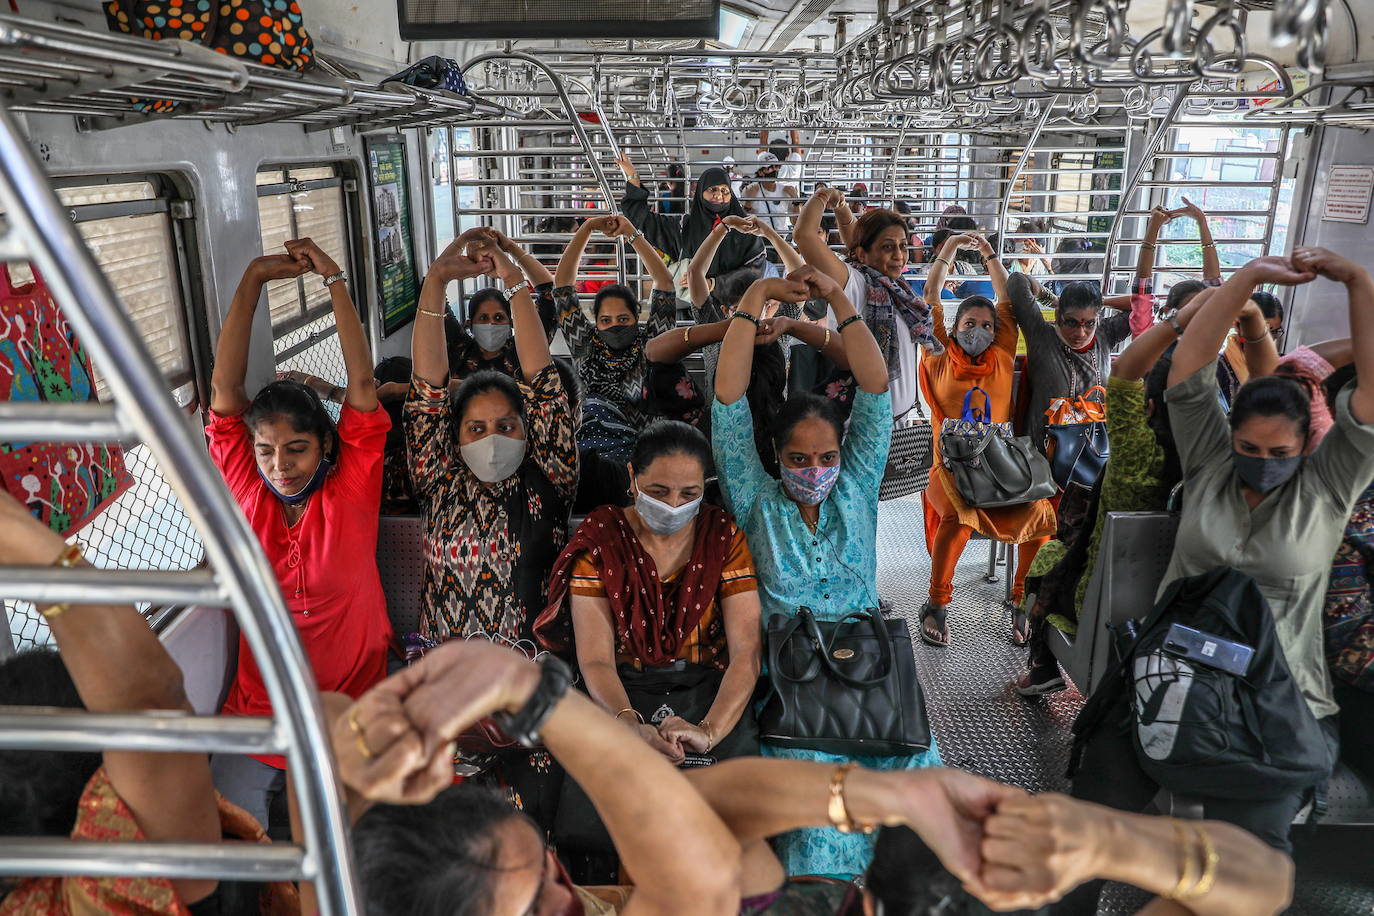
{"x":393,"y":239}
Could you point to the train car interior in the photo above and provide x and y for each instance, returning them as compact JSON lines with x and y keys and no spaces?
{"x":141,"y":172}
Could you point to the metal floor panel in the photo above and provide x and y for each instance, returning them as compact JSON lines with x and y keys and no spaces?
{"x":980,"y":722}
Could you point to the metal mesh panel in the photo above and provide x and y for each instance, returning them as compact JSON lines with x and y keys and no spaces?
{"x":314,"y":349}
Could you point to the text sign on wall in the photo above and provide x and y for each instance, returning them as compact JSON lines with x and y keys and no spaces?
{"x":1348,"y":193}
{"x":393,"y":240}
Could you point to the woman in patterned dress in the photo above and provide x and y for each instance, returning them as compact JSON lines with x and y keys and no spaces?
{"x":495,"y":471}
{"x":813,"y":533}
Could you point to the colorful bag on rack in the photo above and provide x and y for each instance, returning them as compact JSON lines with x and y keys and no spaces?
{"x":268,"y":32}
{"x":63,"y":484}
{"x":1076,"y":438}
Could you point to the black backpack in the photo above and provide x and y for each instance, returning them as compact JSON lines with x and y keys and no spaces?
{"x":1199,"y":730}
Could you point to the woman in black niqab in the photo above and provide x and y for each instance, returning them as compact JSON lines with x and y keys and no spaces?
{"x":679,"y":237}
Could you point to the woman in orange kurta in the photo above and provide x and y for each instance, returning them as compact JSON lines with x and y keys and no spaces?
{"x":981,"y":353}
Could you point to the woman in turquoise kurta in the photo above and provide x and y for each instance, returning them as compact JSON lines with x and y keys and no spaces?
{"x":813,"y":533}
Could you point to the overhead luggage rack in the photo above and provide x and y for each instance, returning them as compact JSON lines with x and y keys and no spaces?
{"x":109,"y":80}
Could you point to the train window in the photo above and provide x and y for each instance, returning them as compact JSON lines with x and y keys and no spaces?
{"x":129,"y":228}
{"x":297,"y":203}
{"x":449,"y":163}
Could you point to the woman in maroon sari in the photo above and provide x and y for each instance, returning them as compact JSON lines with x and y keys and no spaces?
{"x":663,"y":605}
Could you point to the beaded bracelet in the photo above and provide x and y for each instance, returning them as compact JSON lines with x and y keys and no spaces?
{"x":846,"y":323}
{"x":747,"y":317}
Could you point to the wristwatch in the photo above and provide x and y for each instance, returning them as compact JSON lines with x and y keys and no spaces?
{"x":524,"y":724}
{"x":1172,"y":318}
{"x":330,"y":281}
{"x":522,"y":285}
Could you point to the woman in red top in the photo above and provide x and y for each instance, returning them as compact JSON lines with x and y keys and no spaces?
{"x":311,"y":491}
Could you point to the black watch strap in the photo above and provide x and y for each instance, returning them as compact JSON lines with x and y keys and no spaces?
{"x":523,"y":725}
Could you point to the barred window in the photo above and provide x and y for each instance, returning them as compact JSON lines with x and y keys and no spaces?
{"x":302,"y":202}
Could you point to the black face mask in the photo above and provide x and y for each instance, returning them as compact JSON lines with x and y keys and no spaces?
{"x":618,"y":337}
{"x":715,"y":207}
{"x":1265,"y":474}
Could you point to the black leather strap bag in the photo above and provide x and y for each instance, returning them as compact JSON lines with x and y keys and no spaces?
{"x":844,"y":687}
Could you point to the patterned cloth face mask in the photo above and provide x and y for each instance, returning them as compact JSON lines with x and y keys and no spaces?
{"x":810,"y":486}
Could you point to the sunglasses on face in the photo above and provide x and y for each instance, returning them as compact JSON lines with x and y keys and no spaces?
{"x":1073,"y":324}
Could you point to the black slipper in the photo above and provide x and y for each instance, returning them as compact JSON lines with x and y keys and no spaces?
{"x":936,"y":613}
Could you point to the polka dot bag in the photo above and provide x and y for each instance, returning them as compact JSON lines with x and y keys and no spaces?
{"x":269,"y":32}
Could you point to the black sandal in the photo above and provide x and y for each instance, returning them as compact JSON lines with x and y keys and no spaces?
{"x":931,"y":610}
{"x":1020,"y":625}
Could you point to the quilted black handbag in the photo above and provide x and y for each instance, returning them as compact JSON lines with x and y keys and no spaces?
{"x":990,"y":466}
{"x":909,"y":457}
{"x":845,"y":687}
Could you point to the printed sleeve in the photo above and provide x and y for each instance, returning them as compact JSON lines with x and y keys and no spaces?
{"x":866,"y":443}
{"x":362,"y":448}
{"x":552,"y":439}
{"x":741,"y":474}
{"x":1142,"y":305}
{"x":1198,"y":421}
{"x":231,"y":449}
{"x":586,"y":581}
{"x":738,"y":576}
{"x":430,"y":448}
{"x":662,"y":313}
{"x":1344,"y":461}
{"x":548,"y":309}
{"x":576,"y":327}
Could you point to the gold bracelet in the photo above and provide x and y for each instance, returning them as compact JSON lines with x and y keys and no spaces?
{"x":1148,"y":246}
{"x":944,"y":261}
{"x":430,"y":313}
{"x":70,"y":558}
{"x":827,"y":339}
{"x":705,"y":725}
{"x":687,"y":335}
{"x":1185,"y":853}
{"x":1209,"y":865}
{"x":631,"y":710}
{"x":1209,"y":245}
{"x":840,"y":818}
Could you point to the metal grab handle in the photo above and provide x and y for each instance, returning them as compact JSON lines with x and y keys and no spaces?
{"x":1209,"y":63}
{"x":1114,"y":17}
{"x":1178,"y":19}
{"x":1038,"y":47}
{"x":1142,"y":63}
{"x":997,"y":60}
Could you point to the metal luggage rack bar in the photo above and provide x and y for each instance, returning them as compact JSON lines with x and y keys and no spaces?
{"x":109,"y":80}
{"x":237,"y":576}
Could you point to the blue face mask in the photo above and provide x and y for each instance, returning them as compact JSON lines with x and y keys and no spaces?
{"x":314,"y":483}
{"x":1265,"y":474}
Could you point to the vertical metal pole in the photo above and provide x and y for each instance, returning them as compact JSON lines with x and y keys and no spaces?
{"x":1016,"y":172}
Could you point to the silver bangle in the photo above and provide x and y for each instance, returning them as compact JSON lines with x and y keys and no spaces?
{"x":330,"y":281}
{"x":519,"y":287}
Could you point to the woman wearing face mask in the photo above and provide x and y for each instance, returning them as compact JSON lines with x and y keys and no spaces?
{"x":872,"y":279}
{"x":487,"y":341}
{"x":1253,"y":502}
{"x":679,"y":237}
{"x":494,"y":466}
{"x":609,"y":349}
{"x":813,"y":532}
{"x":979,"y":354}
{"x":311,"y":491}
{"x":662,"y":596}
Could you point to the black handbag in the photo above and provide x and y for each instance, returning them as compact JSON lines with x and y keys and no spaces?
{"x":683,"y":689}
{"x":909,"y":457}
{"x":1076,"y":438}
{"x":844,"y":687}
{"x":990,"y":466}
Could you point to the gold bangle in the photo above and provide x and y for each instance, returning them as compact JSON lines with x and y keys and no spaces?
{"x":628,"y":709}
{"x":1185,"y":854}
{"x":687,"y":335}
{"x":1209,"y":865}
{"x":840,"y":818}
{"x":1148,"y":246}
{"x":429,"y":312}
{"x":827,"y":339}
{"x":70,"y":558}
{"x":1209,"y":245}
{"x":705,"y":725}
{"x":944,"y":261}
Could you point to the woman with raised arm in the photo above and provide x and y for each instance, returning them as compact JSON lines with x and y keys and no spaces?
{"x":494,"y":465}
{"x":713,"y":199}
{"x":486,"y":340}
{"x":813,"y":533}
{"x":872,"y":280}
{"x":311,"y":491}
{"x":608,"y":349}
{"x":979,"y":354}
{"x":110,"y":661}
{"x":1252,"y":501}
{"x":1143,"y":469}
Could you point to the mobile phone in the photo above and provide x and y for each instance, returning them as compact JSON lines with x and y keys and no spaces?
{"x":1207,"y":649}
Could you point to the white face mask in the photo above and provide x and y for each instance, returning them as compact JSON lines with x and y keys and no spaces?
{"x":661,"y":518}
{"x":491,"y":337}
{"x":494,"y":457}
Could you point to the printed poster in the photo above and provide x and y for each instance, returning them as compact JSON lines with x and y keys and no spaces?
{"x":393,"y":242}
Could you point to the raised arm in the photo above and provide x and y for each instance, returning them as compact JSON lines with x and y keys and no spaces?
{"x":1360,"y":290}
{"x":697,"y":286}
{"x":1211,"y":263}
{"x":531,"y":343}
{"x":533,"y":269}
{"x":865,"y":358}
{"x":1261,"y":354}
{"x":361,"y":392}
{"x":737,"y":350}
{"x":228,"y":397}
{"x":1149,"y":246}
{"x":1338,"y":352}
{"x":666,"y":835}
{"x":752,"y":225}
{"x":658,"y":270}
{"x":676,"y":345}
{"x":818,"y":337}
{"x":997,"y":271}
{"x":566,"y":272}
{"x":809,"y":242}
{"x":119,"y":666}
{"x":1209,"y":327}
{"x":1136,"y":361}
{"x":844,"y":218}
{"x":428,"y":348}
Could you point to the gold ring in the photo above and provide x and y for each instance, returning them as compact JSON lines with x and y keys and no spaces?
{"x":359,"y":736}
